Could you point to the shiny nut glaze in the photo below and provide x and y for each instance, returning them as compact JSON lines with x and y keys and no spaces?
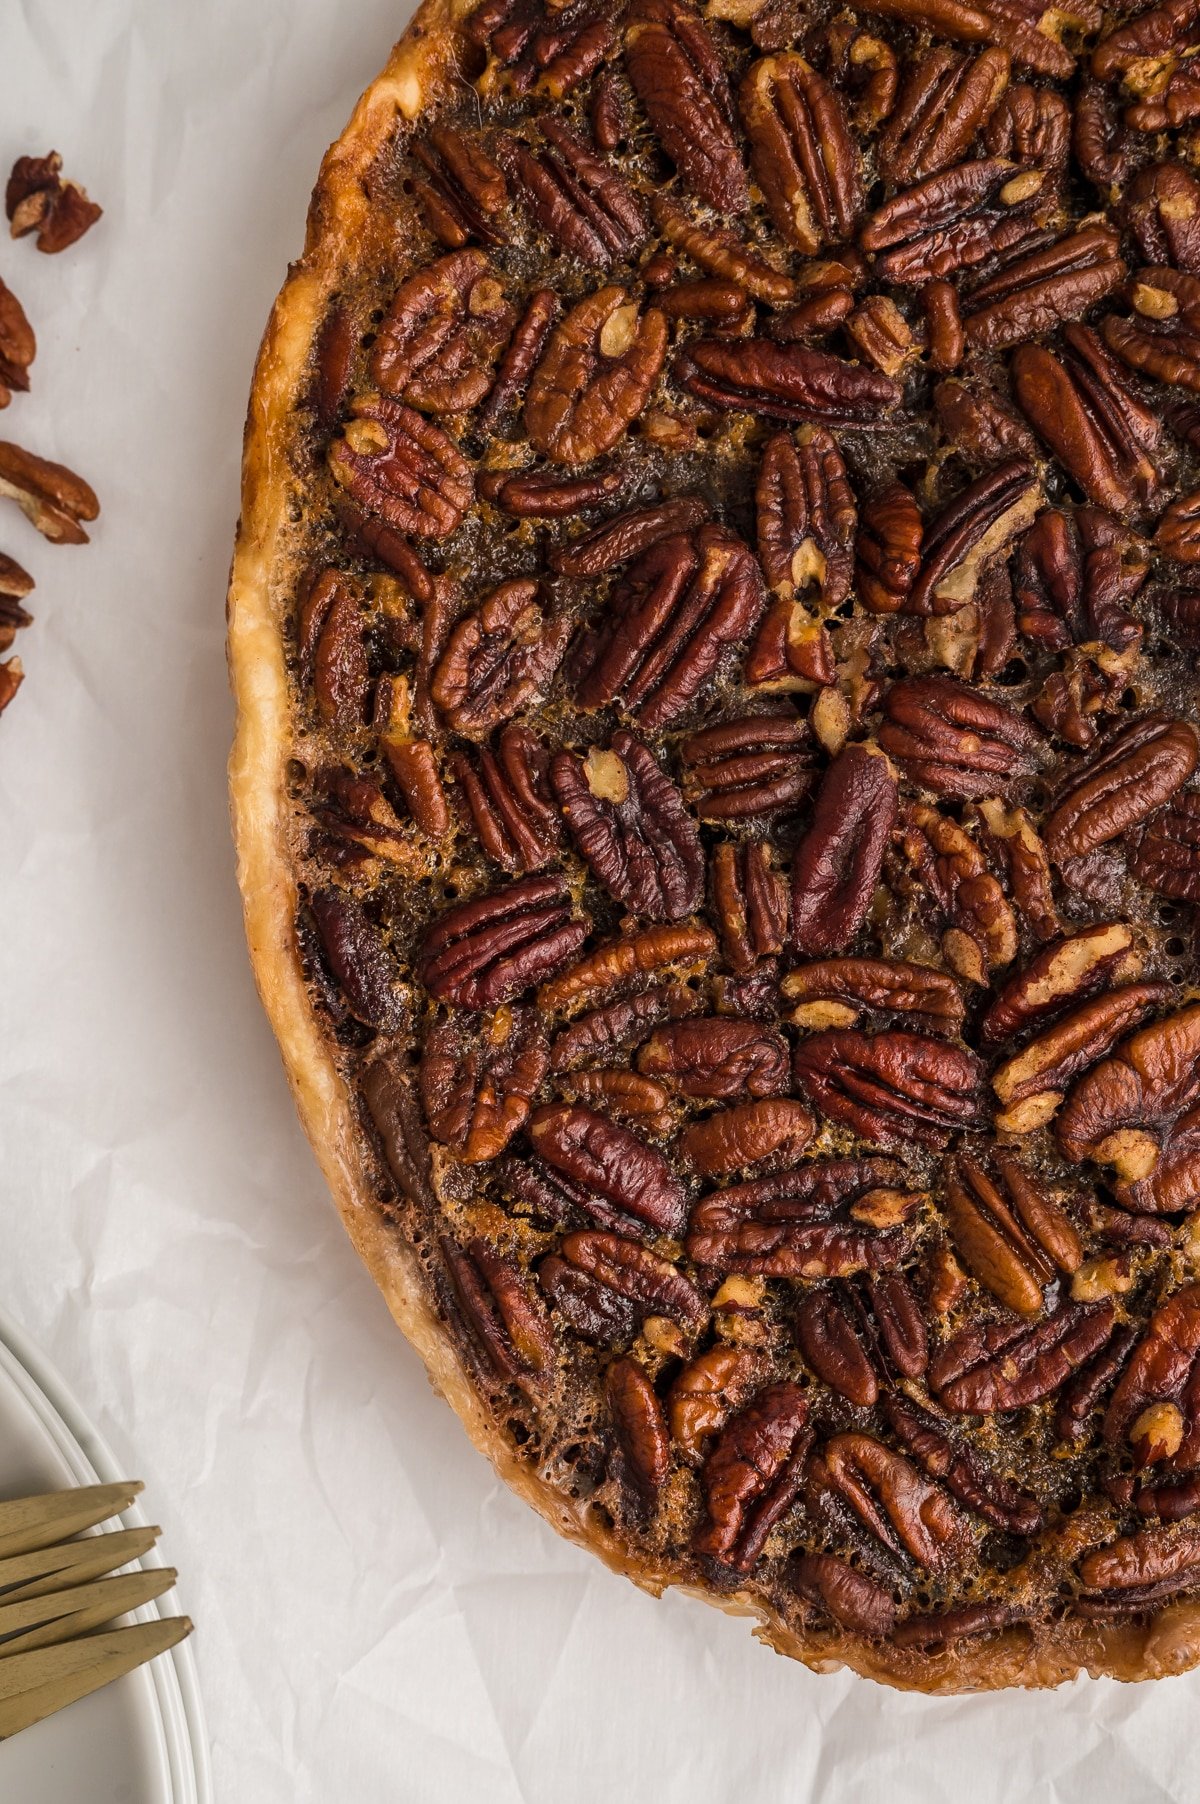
{"x":744,"y":802}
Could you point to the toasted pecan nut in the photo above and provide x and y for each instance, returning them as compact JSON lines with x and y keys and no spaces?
{"x":1178,"y":534}
{"x":1076,"y":574}
{"x":908,"y":1512}
{"x":390,"y":1093}
{"x":1032,"y":126}
{"x":1162,"y":205}
{"x":648,"y":1283}
{"x":974,"y":22}
{"x":1006,"y":1365}
{"x":954,"y":740}
{"x":582,"y":203}
{"x":37,"y":199}
{"x":801,"y":151}
{"x":978,"y":424}
{"x":835,"y":991}
{"x":403,"y":468}
{"x":855,"y":1333}
{"x":630,"y":823}
{"x":679,"y":79}
{"x":752,"y":1476}
{"x":743,"y":769}
{"x":750,"y":899}
{"x":748,"y":1134}
{"x":615,"y":966}
{"x":640,"y":1428}
{"x":945,"y":101}
{"x":979,"y":928}
{"x":51,"y":497}
{"x":720,"y":253}
{"x":1032,"y":1083}
{"x":481,"y":953}
{"x":985,"y":1492}
{"x":595,"y":376}
{"x":705,"y":1393}
{"x":1010,"y":1234}
{"x":837,"y":864}
{"x":1038,"y":291}
{"x":978,"y":526}
{"x":1134,"y":1112}
{"x":1137,"y":1571}
{"x":1086,"y":412}
{"x":1066,"y":971}
{"x":891,"y":1087}
{"x":1134,"y":772}
{"x":333,"y":654}
{"x":610,"y":1162}
{"x":627,"y":536}
{"x":359,"y":959}
{"x":1162,"y":337}
{"x":509,"y":800}
{"x":498,"y":659}
{"x":786,"y":382}
{"x":1153,"y":1406}
{"x":717,"y":1059}
{"x":854,"y":1601}
{"x":438,"y":340}
{"x":500,"y":1308}
{"x":807,"y":519}
{"x":477,"y":1083}
{"x":799,"y":1224}
{"x":953,"y":221}
{"x":462,"y":191}
{"x":1167,"y":856}
{"x":889,"y":548}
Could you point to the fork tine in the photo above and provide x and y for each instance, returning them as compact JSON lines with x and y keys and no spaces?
{"x":33,"y":1686}
{"x":28,"y":1523}
{"x":42,"y":1621}
{"x":72,"y":1562}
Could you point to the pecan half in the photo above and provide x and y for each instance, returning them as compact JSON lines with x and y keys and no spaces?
{"x":1066,"y":971}
{"x":439,"y":338}
{"x":1162,"y":339}
{"x":750,"y":900}
{"x":391,"y":1098}
{"x":618,"y":1274}
{"x":814,"y":1221}
{"x":627,"y":536}
{"x":889,"y":548}
{"x":854,"y":1601}
{"x":1162,"y":33}
{"x":786,"y":382}
{"x":1032,"y":126}
{"x":834,"y":992}
{"x":893,"y":1087}
{"x":1134,"y":772}
{"x":853,"y":1333}
{"x":985,"y":1492}
{"x":953,"y":221}
{"x":630,"y":823}
{"x":610,"y":1163}
{"x":462,"y":190}
{"x":640,"y":1427}
{"x":403,"y":468}
{"x":1162,"y":205}
{"x":18,"y":346}
{"x":1026,"y":32}
{"x":837,"y":864}
{"x":954,"y":740}
{"x":1005,"y":1365}
{"x":509,"y":801}
{"x":1035,"y":292}
{"x":1082,"y":407}
{"x":582,"y":203}
{"x":979,"y":426}
{"x":500,"y":1308}
{"x":1138,"y":1571}
{"x":907,"y":1512}
{"x":684,"y":601}
{"x":729,"y":1140}
{"x":37,"y":199}
{"x":1010,"y":1235}
{"x":1134,"y":1112}
{"x":945,"y":101}
{"x":333,"y":653}
{"x":1076,"y":573}
{"x":1178,"y":534}
{"x":718,"y":1059}
{"x":979,"y":525}
{"x":801,"y":151}
{"x":51,"y":497}
{"x":806,"y":520}
{"x":595,"y":376}
{"x":679,"y":79}
{"x":706,"y":1392}
{"x":720,"y":253}
{"x":477,"y":1083}
{"x":481,"y":953}
{"x":1156,"y":1404}
{"x":617,"y":965}
{"x":743,"y":769}
{"x":498,"y":659}
{"x":752,"y":1475}
{"x":1167,"y":856}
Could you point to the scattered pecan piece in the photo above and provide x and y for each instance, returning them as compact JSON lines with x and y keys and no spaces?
{"x":979,"y":930}
{"x":1138,"y":1571}
{"x":1162,"y":339}
{"x":37,"y":199}
{"x":630,"y":823}
{"x":977,"y":526}
{"x":481,"y":953}
{"x":720,"y":253}
{"x":1155,"y":1407}
{"x":1162,"y":205}
{"x":50,"y":496}
{"x":18,"y":346}
{"x":12,"y":676}
{"x":706,"y":1392}
{"x":595,"y":376}
{"x":978,"y":424}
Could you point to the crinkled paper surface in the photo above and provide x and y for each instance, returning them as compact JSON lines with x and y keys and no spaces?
{"x":378,"y":1619}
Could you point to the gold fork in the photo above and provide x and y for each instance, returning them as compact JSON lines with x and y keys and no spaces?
{"x":56,"y":1594}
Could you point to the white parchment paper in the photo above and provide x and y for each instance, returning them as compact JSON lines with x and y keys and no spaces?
{"x":378,"y":1619}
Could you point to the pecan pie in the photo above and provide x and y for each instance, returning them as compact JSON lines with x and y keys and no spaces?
{"x":714,"y":625}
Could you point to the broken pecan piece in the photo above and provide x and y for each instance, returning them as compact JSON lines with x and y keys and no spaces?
{"x":462,"y":191}
{"x":1162,"y":339}
{"x":1137,"y":1572}
{"x":909,"y":1513}
{"x":630,"y":823}
{"x":640,"y":1427}
{"x":979,"y":525}
{"x":1027,"y":32}
{"x":1155,"y":1406}
{"x":1162,"y":205}
{"x":595,"y":376}
{"x":854,"y":1601}
{"x":979,"y":930}
{"x":18,"y":346}
{"x":626,"y":536}
{"x":889,"y":548}
{"x":1178,"y":534}
{"x":478,"y":1080}
{"x":706,"y":1392}
{"x":481,"y":953}
{"x":51,"y":497}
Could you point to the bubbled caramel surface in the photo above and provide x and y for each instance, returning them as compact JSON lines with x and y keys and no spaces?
{"x":744,"y":808}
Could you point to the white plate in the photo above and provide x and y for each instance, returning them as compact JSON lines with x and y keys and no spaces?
{"x":141,"y":1740}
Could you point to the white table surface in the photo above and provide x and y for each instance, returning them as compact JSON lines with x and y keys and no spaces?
{"x":378,"y":1619}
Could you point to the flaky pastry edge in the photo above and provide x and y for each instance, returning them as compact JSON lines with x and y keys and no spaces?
{"x":422,"y":69}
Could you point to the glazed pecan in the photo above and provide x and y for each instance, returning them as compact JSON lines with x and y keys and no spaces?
{"x":813,"y":1221}
{"x":667,"y":624}
{"x":954,"y":740}
{"x":720,"y":253}
{"x":390,"y":1094}
{"x":619,"y":1277}
{"x":1155,"y":1407}
{"x":333,"y":653}
{"x":1135,"y":1112}
{"x":478,"y":1080}
{"x":801,"y":151}
{"x":1178,"y":534}
{"x":730,"y":1140}
{"x":759,"y":765}
{"x":1162,"y":205}
{"x":587,"y":209}
{"x":945,"y":101}
{"x":51,"y":497}
{"x":1032,"y":1083}
{"x":546,"y":495}
{"x":594,"y":377}
{"x":706,"y":1392}
{"x":892,"y":1087}
{"x":462,"y":190}
{"x":509,"y":802}
{"x":985,"y":1492}
{"x":946,"y":340}
{"x":954,"y":221}
{"x":977,"y":526}
{"x":1079,"y":1399}
{"x":524,"y":349}
{"x":1160,"y":35}
{"x":889,"y":548}
{"x":1080,"y":404}
{"x":1010,"y":1233}
{"x":401,"y":467}
{"x":1162,"y":339}
{"x":481,"y":953}
{"x":752,"y":1475}
{"x":630,"y":823}
{"x":37,"y":199}
{"x":1136,"y":1572}
{"x":617,"y":965}
{"x":717,"y":1058}
{"x":358,"y":956}
{"x":1067,"y":971}
{"x":500,"y":1308}
{"x":836,"y":865}
{"x":625,"y":1097}
{"x":1033,"y":293}
{"x":1005,"y":1365}
{"x":610,"y":1164}
{"x":854,"y":1601}
{"x":1032,"y":126}
{"x":1076,"y":573}
{"x":853,"y":1333}
{"x":909,"y":1513}
{"x":1026,"y":32}
{"x":678,"y":76}
{"x":881,"y":334}
{"x":498,"y":659}
{"x":556,"y":47}
{"x":1167,"y":856}
{"x":627,"y":535}
{"x":786,"y":382}
{"x":1134,"y":772}
{"x":835,"y":992}
{"x":437,"y":341}
{"x":639,"y":1426}
{"x":750,"y":901}
{"x":978,"y":928}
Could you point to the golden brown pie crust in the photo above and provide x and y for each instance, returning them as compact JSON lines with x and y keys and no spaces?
{"x":419,"y":71}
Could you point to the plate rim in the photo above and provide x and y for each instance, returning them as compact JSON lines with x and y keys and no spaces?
{"x":175,"y":1680}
